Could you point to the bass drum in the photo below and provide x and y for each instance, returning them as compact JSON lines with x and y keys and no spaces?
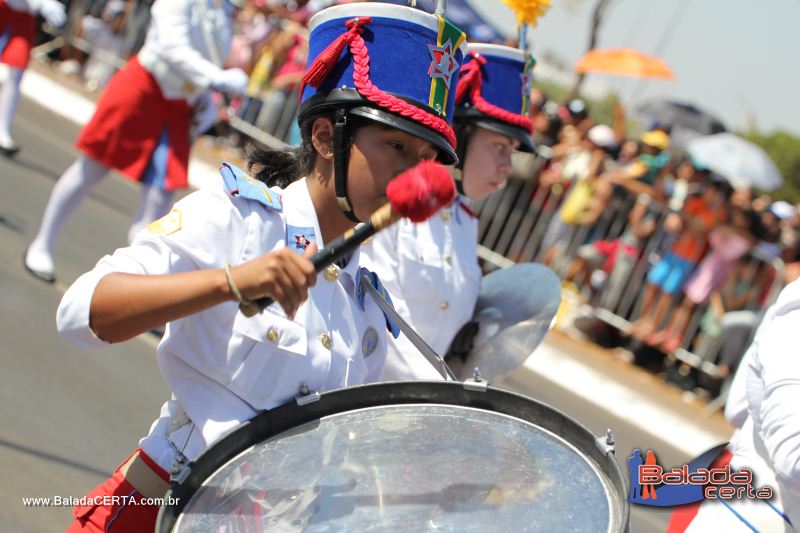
{"x":410,"y":456}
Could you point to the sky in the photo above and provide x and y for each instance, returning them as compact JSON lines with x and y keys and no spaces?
{"x":737,"y":59}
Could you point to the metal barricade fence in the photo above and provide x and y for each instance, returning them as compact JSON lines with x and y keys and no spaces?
{"x":137,"y":20}
{"x":523,"y":223}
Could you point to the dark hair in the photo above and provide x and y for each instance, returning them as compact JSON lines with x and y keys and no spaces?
{"x":751,"y":218}
{"x":720,"y":185}
{"x":463,"y":128}
{"x":280,"y":168}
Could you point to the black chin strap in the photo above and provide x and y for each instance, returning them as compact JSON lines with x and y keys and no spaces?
{"x":340,"y":157}
{"x":458,"y":178}
{"x":461,"y":153}
{"x":463,"y":133}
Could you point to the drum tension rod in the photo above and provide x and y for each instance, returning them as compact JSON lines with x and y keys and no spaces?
{"x":606,"y":442}
{"x":306,"y":396}
{"x":477,"y":383}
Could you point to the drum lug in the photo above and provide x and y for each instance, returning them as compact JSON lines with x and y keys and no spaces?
{"x":306,"y":396}
{"x":477,"y":383}
{"x":179,"y":472}
{"x":606,"y":442}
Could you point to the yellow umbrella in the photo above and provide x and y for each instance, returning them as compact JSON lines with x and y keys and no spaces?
{"x":624,"y":62}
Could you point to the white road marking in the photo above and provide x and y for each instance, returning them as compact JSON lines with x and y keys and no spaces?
{"x":625,"y":403}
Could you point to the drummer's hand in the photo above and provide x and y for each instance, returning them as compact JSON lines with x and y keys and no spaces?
{"x":284,"y":276}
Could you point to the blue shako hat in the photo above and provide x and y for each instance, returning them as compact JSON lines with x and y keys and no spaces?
{"x":392,"y":64}
{"x":494,"y":91}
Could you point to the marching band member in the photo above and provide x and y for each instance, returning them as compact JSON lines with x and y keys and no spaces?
{"x":431,"y":269}
{"x":763,"y":405}
{"x":364,"y":119}
{"x":147,"y":117}
{"x":17,"y":31}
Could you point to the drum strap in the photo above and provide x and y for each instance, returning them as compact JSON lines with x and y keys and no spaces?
{"x":143,"y":478}
{"x":179,"y":420}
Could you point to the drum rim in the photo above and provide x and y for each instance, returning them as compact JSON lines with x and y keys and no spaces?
{"x":273,"y":422}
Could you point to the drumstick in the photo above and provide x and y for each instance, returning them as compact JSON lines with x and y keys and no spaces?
{"x":416,"y":194}
{"x":436,"y":360}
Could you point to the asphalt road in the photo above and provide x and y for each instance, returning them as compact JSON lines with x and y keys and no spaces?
{"x":68,"y":416}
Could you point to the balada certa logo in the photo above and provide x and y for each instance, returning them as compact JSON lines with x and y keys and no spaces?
{"x":654,"y":485}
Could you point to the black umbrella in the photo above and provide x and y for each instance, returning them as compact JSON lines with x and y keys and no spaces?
{"x":685,"y":121}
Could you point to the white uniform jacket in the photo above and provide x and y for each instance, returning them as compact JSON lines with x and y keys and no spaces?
{"x":221,"y":366}
{"x":431,"y":271}
{"x":25,"y":6}
{"x":186,"y":45}
{"x":768,"y":440}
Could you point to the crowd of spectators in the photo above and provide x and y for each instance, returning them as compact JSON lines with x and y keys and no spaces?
{"x":710,"y":256}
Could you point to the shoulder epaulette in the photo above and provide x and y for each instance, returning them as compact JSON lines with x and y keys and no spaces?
{"x":240,"y":184}
{"x":361,"y":295}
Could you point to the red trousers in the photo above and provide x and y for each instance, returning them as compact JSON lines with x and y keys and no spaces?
{"x":115,"y":506}
{"x":128,"y":125}
{"x":17,"y":30}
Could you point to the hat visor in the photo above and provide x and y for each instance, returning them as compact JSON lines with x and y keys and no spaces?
{"x":482,"y":120}
{"x":447,"y":155}
{"x":359,"y":106}
{"x":519,"y":134}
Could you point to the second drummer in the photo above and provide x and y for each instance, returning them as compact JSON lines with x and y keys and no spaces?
{"x":431,"y":269}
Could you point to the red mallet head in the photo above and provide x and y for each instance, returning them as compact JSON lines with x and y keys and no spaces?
{"x":421,"y":191}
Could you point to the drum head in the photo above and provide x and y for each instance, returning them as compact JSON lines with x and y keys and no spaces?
{"x":410,"y":466}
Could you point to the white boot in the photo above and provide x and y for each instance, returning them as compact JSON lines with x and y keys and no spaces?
{"x":40,"y":264}
{"x":9,"y":99}
{"x":70,"y":190}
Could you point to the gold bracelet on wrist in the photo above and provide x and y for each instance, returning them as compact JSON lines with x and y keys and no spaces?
{"x":247,"y":307}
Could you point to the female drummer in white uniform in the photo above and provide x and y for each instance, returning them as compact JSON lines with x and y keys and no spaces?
{"x":238,"y":242}
{"x":431,"y":269}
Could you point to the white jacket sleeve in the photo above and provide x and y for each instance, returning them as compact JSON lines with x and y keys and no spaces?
{"x":204,"y":230}
{"x":173,"y":20}
{"x":72,"y":316}
{"x":779,"y":411}
{"x":29,"y":6}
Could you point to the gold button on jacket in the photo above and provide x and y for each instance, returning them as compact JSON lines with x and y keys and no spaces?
{"x":331,"y":273}
{"x":326,"y":340}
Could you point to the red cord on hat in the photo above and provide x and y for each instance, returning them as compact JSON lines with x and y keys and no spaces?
{"x":325,"y":61}
{"x":470,"y":83}
{"x":470,"y":75}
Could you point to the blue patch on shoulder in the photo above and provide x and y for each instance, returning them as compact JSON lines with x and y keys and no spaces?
{"x":361,"y":294}
{"x":240,"y":184}
{"x":298,"y":237}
